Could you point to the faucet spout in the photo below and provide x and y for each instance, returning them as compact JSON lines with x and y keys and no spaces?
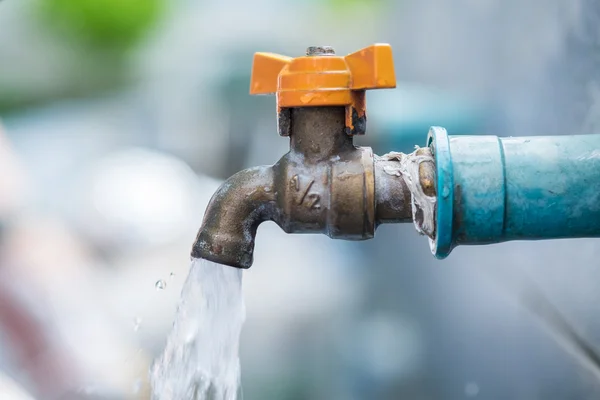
{"x":243,"y":202}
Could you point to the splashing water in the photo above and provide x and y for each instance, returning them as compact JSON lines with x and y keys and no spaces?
{"x":200,"y":360}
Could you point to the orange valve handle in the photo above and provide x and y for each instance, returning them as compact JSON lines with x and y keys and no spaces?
{"x":323,"y":79}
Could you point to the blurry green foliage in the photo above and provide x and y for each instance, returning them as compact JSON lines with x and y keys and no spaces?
{"x":103,"y":24}
{"x":96,"y":37}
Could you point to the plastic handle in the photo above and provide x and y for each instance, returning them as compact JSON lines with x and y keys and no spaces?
{"x":369,"y":68}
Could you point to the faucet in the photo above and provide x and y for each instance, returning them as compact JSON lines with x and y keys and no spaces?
{"x":324,"y":184}
{"x":456,"y":190}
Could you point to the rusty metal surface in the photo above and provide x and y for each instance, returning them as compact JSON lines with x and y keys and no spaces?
{"x":324,"y":184}
{"x":320,"y":51}
{"x":427,"y":172}
{"x":392,"y":195}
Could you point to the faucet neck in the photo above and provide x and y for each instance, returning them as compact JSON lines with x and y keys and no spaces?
{"x":319,"y":133}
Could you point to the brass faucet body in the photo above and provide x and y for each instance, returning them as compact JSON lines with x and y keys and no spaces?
{"x":324,"y":184}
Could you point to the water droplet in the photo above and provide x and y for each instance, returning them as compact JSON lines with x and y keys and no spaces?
{"x":445,"y":192}
{"x":471,"y":389}
{"x":172,"y":275}
{"x":136,"y":324}
{"x":160,"y":284}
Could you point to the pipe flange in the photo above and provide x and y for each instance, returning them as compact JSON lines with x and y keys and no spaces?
{"x":438,"y":141}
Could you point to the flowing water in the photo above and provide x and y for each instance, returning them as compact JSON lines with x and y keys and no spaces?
{"x":200,"y":360}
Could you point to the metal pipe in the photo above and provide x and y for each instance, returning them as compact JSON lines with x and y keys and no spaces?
{"x":493,"y":189}
{"x":392,"y":195}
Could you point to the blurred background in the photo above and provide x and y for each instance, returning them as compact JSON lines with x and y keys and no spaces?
{"x":119,"y":119}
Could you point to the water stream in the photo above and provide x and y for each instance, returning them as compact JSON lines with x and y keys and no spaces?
{"x":200,"y":360}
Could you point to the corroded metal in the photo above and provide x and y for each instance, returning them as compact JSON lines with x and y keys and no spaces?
{"x":392,"y":195}
{"x":427,"y":172}
{"x":320,"y":51}
{"x":324,"y":184}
